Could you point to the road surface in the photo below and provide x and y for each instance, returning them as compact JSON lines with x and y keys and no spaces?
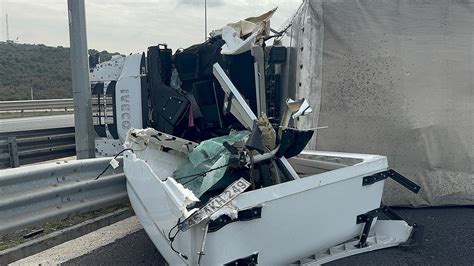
{"x":36,"y":123}
{"x":448,"y":239}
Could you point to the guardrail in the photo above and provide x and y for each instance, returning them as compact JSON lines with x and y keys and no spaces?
{"x":35,"y":194}
{"x":32,"y":105}
{"x":19,"y":148}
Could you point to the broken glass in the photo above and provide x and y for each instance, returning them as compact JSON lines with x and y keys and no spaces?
{"x":197,"y":172}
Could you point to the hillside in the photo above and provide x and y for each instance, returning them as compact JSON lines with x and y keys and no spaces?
{"x":45,"y":69}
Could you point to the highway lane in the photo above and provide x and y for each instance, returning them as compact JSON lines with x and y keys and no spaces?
{"x":447,"y":240}
{"x":36,"y":123}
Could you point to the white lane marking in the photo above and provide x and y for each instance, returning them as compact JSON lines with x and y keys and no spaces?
{"x":84,"y":244}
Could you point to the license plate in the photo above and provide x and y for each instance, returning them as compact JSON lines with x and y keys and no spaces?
{"x":216,"y":203}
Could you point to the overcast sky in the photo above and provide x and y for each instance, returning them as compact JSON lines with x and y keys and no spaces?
{"x":131,"y":26}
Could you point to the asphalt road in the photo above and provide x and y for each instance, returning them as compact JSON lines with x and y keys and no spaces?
{"x":447,"y":239}
{"x":36,"y":122}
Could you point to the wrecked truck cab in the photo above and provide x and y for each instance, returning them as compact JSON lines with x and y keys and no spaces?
{"x":249,"y":193}
{"x":272,"y":210}
{"x":278,"y":224}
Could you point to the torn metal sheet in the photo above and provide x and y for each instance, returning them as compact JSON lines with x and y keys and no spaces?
{"x":234,"y":45}
{"x":250,"y":25}
{"x":252,"y":29}
{"x":293,"y":109}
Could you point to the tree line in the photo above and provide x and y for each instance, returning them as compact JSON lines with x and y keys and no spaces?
{"x":45,"y":69}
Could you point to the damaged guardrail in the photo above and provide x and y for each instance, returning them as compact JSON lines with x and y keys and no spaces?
{"x":38,"y":193}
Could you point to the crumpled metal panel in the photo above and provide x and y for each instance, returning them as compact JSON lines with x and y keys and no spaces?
{"x":396,"y":79}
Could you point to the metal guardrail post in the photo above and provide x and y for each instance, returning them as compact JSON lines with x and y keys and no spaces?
{"x":13,"y":149}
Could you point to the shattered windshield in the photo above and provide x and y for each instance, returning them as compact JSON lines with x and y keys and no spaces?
{"x":197,"y":173}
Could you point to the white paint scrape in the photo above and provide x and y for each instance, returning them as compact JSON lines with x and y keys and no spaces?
{"x":84,"y":244}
